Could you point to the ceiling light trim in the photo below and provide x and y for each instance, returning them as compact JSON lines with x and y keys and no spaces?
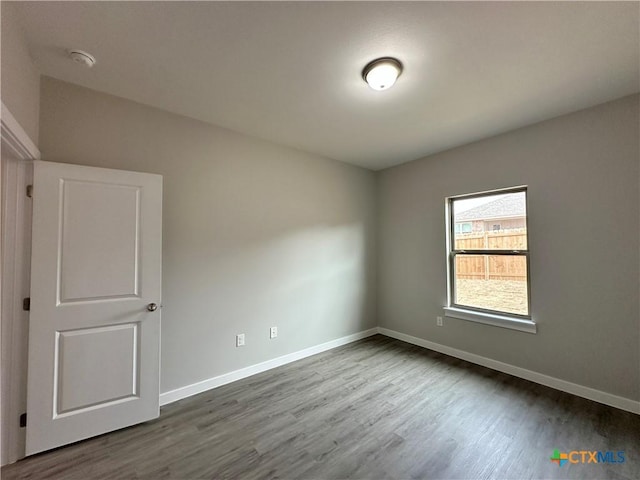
{"x":389,"y":67}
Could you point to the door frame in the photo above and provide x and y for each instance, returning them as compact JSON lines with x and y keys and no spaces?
{"x":15,"y":226}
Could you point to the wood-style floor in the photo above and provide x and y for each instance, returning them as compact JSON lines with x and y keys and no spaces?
{"x":378,"y":408}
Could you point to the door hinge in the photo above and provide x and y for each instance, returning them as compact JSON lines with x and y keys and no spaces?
{"x":29,"y":191}
{"x":23,"y":420}
{"x":26,"y":304}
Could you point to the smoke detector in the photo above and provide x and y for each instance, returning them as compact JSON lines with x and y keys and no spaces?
{"x":82,"y":57}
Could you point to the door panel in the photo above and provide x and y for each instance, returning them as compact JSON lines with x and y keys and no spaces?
{"x":82,"y":381}
{"x":96,"y":265}
{"x":102,"y":261}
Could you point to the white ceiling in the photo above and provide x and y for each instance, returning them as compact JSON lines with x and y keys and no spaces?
{"x":291,"y":72}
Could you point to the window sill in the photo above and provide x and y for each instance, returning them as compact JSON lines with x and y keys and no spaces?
{"x":503,"y":321}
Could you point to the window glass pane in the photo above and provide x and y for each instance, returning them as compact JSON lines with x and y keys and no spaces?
{"x":491,"y":222}
{"x":492,"y":282}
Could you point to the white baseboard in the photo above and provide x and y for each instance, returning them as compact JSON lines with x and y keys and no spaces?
{"x":562,"y":385}
{"x":203,"y":386}
{"x":573,"y":388}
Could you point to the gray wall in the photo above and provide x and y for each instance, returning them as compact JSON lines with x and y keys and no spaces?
{"x":582,"y":173}
{"x":20,"y":78}
{"x":255,"y":234}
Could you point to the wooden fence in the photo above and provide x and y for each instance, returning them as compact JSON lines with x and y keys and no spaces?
{"x":492,"y":267}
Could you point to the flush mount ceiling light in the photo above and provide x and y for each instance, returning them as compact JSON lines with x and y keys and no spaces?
{"x":382,"y":73}
{"x":82,"y":57}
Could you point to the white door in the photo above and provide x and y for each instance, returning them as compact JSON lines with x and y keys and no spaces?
{"x":94,"y":324}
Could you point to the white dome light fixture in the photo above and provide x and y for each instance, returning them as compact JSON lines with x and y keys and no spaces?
{"x":83,"y":58}
{"x":382,"y":73}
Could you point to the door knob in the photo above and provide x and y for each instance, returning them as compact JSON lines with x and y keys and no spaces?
{"x":152,"y":307}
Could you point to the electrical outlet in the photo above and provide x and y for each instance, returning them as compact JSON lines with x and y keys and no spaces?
{"x":240,"y":340}
{"x":439,"y":321}
{"x":273,"y":332}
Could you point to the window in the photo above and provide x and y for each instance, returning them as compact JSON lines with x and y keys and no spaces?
{"x":465,"y":227}
{"x":488,"y":269}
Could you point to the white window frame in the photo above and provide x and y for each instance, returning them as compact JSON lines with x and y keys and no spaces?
{"x":496,"y":318}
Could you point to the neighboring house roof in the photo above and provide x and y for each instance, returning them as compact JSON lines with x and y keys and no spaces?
{"x":505,"y":207}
